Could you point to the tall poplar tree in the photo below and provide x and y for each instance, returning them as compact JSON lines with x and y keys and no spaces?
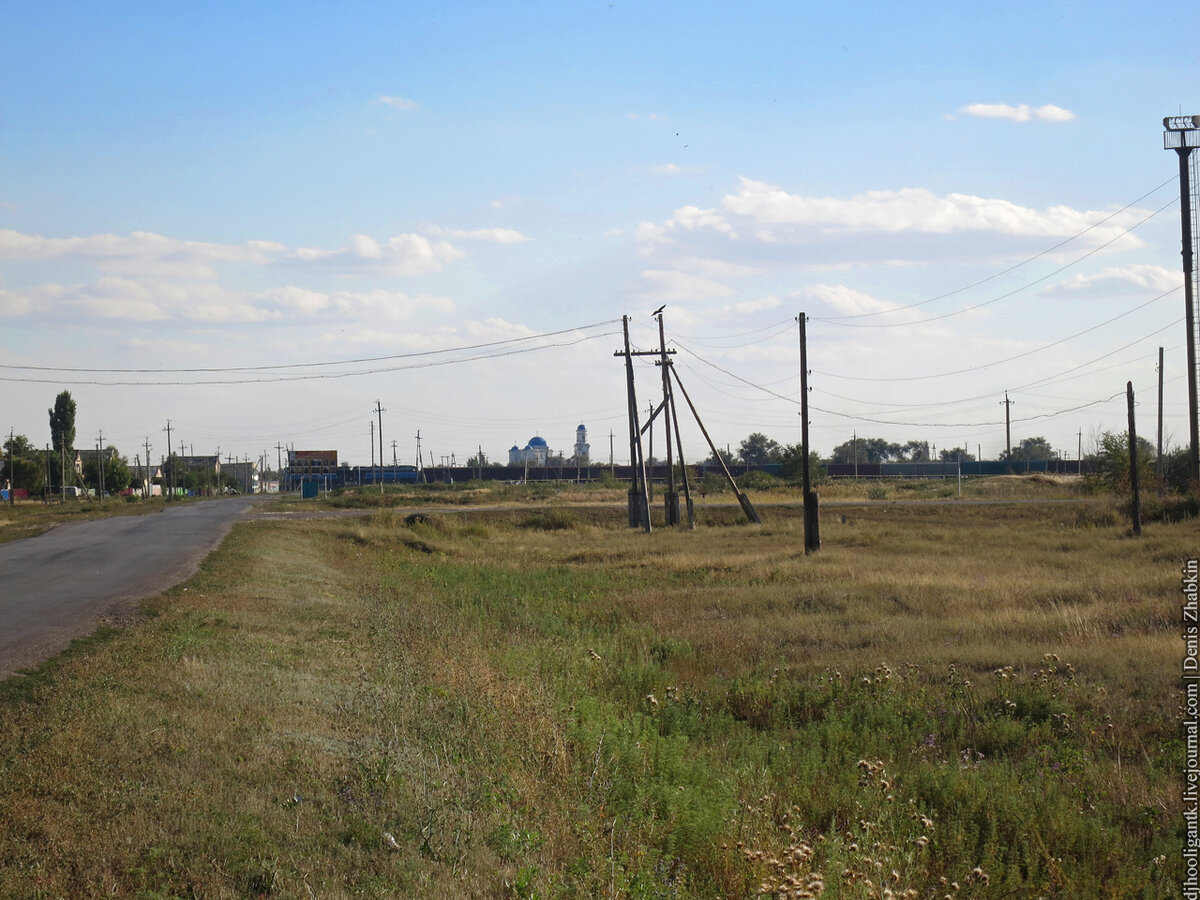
{"x":62,"y":422}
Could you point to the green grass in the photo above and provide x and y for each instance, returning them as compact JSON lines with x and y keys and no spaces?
{"x":543,"y":703}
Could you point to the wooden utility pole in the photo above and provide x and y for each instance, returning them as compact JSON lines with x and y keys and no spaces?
{"x":12,"y":482}
{"x":379,"y":410}
{"x":1136,"y":511}
{"x":100,"y":468}
{"x":639,"y":502}
{"x":170,"y":463}
{"x":1007,"y":432}
{"x":670,"y":498}
{"x":1158,"y":459}
{"x":146,"y":491}
{"x":812,"y":520}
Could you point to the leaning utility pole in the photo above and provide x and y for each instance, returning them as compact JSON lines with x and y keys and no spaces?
{"x":743,"y":500}
{"x":1183,"y":136}
{"x":812,"y":520}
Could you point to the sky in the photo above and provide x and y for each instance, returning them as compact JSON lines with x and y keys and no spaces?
{"x":285,"y":225}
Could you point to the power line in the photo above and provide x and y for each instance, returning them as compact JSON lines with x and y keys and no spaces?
{"x":1034,"y":258}
{"x":1050,"y":415}
{"x":1004,"y":296}
{"x":1010,"y":358}
{"x":295,"y":377}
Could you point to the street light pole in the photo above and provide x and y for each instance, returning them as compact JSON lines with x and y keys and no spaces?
{"x":1182,"y":135}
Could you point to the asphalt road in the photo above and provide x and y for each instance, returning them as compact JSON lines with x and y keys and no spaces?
{"x":63,"y":584}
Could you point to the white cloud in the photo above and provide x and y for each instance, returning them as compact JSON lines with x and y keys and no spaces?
{"x":14,"y":304}
{"x":844,"y":300}
{"x":491,"y":235}
{"x":404,"y":254}
{"x":916,"y":210}
{"x":141,"y":252}
{"x":142,"y":302}
{"x":676,"y":287}
{"x":1022,"y":113}
{"x":1114,"y":279}
{"x":398,"y":102}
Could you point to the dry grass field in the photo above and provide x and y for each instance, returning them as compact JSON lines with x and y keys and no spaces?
{"x":952,"y":700}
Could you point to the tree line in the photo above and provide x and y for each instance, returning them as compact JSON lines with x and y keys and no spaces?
{"x":1105,"y":466}
{"x":47,"y":470}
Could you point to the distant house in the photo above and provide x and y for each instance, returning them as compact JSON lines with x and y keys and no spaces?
{"x":244,"y":473}
{"x":207,"y":464}
{"x":146,"y":479}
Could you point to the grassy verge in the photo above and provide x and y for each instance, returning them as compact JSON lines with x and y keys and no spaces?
{"x":964,"y":701}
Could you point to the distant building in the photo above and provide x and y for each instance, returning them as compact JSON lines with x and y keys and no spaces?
{"x":582,"y":447}
{"x":535,"y":453}
{"x":210,"y":465}
{"x":306,"y":463}
{"x":244,"y":473}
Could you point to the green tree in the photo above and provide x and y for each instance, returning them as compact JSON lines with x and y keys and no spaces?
{"x":1108,"y":465}
{"x":792,"y":457}
{"x":1031,"y":448}
{"x":866,"y":450}
{"x":724,"y":455}
{"x":117,"y":476}
{"x":915,"y":451}
{"x":62,"y":422}
{"x":956,"y":453}
{"x":758,"y":449}
{"x":24,"y":464}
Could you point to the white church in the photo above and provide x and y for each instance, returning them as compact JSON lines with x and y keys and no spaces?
{"x":537,"y":451}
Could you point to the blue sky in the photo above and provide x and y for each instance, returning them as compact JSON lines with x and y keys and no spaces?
{"x":210,"y":193}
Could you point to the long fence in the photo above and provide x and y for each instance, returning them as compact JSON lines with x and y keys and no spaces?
{"x":348,"y":476}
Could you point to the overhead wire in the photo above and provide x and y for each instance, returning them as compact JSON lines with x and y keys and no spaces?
{"x":1023,"y":262}
{"x":1004,"y":296}
{"x":1009,"y":359}
{"x":340,"y":362}
{"x":293,"y":377}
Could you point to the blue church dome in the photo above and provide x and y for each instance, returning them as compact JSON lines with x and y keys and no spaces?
{"x":537,"y":442}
